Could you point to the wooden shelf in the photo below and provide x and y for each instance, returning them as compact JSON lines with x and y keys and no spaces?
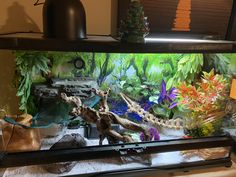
{"x":28,"y":41}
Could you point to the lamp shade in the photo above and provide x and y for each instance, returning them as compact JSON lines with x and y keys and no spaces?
{"x":233,"y":89}
{"x":64,"y":19}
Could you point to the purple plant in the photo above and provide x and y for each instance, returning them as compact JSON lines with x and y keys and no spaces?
{"x":154,"y":135}
{"x":167,"y":96}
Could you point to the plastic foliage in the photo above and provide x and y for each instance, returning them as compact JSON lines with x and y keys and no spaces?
{"x":188,"y":69}
{"x":167,"y":96}
{"x":166,"y":102}
{"x":137,"y":90}
{"x":155,"y":136}
{"x":27,"y":64}
{"x":206,"y":101}
{"x":219,"y":62}
{"x":141,"y":85}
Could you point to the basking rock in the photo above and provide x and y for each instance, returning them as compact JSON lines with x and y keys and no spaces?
{"x":68,"y":141}
{"x":81,"y":87}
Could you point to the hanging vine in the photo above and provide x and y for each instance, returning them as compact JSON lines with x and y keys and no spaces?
{"x":28,"y":64}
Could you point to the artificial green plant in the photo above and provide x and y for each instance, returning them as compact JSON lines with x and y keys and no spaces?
{"x":28,"y":64}
{"x":188,"y":69}
{"x":219,"y":62}
{"x":139,"y":85}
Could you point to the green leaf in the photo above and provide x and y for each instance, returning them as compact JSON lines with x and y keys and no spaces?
{"x":169,"y":83}
{"x":28,"y":63}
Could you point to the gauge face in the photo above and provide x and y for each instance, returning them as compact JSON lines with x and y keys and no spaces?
{"x":79,"y":63}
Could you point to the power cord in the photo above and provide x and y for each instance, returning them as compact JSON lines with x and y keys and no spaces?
{"x":37,"y":3}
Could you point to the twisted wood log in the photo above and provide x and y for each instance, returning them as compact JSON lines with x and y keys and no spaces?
{"x":104,"y":95}
{"x":104,"y":120}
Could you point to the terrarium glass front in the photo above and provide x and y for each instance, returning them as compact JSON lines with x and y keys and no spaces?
{"x":110,"y":98}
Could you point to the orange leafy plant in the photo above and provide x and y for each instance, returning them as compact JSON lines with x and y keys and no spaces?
{"x":206,"y":99}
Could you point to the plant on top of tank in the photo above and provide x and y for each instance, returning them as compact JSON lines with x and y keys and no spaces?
{"x":206,"y":102}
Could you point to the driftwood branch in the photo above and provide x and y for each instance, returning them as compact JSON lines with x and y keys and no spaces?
{"x":104,"y":120}
{"x":104,"y":95}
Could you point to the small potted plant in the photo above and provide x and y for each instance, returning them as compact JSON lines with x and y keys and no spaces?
{"x":135,"y":26}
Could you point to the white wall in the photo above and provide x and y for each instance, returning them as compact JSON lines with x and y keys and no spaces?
{"x":21,"y":15}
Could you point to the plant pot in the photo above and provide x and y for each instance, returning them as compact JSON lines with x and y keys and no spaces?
{"x":133,"y":39}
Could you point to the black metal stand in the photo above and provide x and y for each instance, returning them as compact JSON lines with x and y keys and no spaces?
{"x":99,"y":152}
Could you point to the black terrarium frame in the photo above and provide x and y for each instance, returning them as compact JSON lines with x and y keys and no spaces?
{"x":107,"y":44}
{"x":98,"y":152}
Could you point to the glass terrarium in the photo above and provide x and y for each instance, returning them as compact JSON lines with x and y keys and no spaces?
{"x":138,"y":110}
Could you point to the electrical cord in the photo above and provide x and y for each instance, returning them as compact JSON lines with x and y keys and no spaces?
{"x":37,"y":3}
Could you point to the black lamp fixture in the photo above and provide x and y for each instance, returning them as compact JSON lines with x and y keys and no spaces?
{"x":64,"y":19}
